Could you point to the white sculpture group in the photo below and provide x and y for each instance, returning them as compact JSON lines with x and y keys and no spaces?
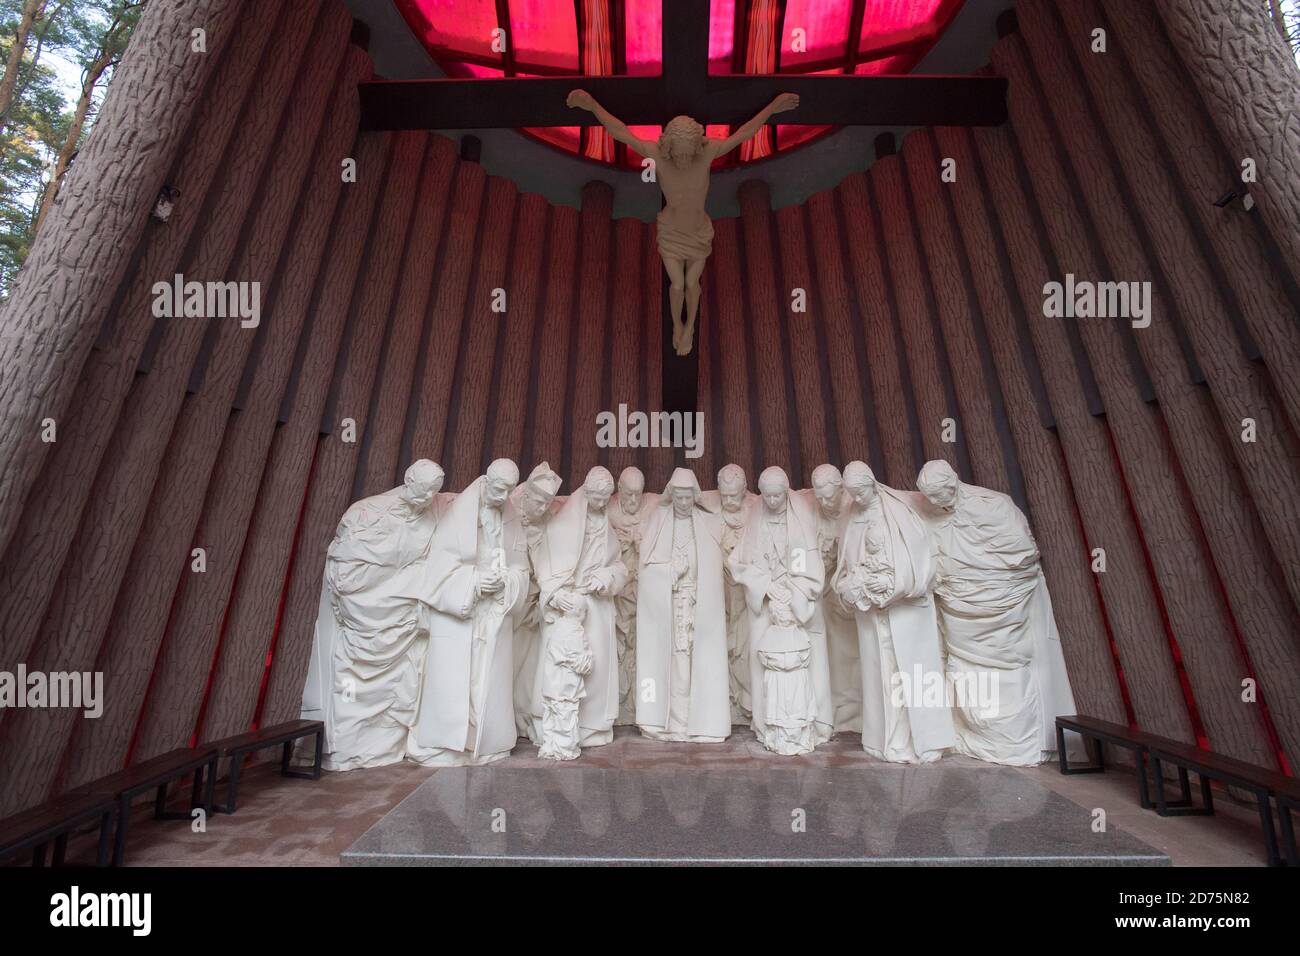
{"x":451,"y":625}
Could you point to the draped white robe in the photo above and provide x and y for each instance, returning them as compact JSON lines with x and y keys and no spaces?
{"x":466,"y":712}
{"x":528,"y":630}
{"x":803,"y":574}
{"x":363,"y":675}
{"x":1005,"y":664}
{"x":630,"y":528}
{"x":709,"y":716}
{"x":734,"y":602}
{"x":570,"y":558}
{"x":898,"y":632}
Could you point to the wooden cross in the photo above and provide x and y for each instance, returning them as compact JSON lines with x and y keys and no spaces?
{"x":685,"y":88}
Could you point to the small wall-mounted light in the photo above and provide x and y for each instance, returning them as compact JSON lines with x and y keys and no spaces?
{"x":162,"y":208}
{"x":1247,"y":200}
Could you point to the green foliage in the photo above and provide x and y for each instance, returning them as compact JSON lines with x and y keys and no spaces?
{"x":39,"y":121}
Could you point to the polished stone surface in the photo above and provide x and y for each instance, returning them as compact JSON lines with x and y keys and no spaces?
{"x":879,"y":814}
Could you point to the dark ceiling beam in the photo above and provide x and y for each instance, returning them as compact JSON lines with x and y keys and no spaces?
{"x":639,"y":100}
{"x":685,"y":57}
{"x":864,"y":100}
{"x":492,"y":103}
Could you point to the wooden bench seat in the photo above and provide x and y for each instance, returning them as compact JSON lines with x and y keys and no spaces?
{"x":156,"y":774}
{"x":34,"y":829}
{"x":1152,"y":752}
{"x":284,"y":735}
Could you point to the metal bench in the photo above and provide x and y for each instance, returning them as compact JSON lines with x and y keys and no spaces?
{"x":34,"y":829}
{"x":156,"y":774}
{"x":285,"y":735}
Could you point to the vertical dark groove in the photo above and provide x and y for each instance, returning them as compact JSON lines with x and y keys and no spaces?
{"x":834,"y":450}
{"x":936,"y":327}
{"x":1089,"y":382}
{"x":1246,"y":340}
{"x":328,"y":413}
{"x":486,"y":456}
{"x":426,"y":330}
{"x":875,"y":445}
{"x":1028,"y":357}
{"x":891,"y":296}
{"x":575,"y":327}
{"x":997,"y":401}
{"x":539,"y":322}
{"x":759,"y":451}
{"x":1091,"y":236}
{"x":377,"y":383}
{"x":462,"y":342}
{"x":780,"y":286}
{"x":607,"y":329}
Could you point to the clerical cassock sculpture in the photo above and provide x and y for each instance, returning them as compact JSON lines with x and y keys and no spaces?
{"x":473,"y":588}
{"x":777,"y":564}
{"x":681,"y":648}
{"x":885,"y":573}
{"x":363,"y":676}
{"x":579,"y":562}
{"x":1006,"y":670}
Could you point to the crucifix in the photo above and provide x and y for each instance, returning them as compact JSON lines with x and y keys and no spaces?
{"x":684,"y":90}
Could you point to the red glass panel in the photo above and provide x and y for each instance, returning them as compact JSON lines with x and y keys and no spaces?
{"x":453,"y":24}
{"x":820,"y":28}
{"x":543,"y":36}
{"x":544,"y":33}
{"x":886,"y":23}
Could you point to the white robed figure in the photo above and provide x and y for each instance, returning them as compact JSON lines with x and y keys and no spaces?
{"x":363,"y":677}
{"x":628,"y":513}
{"x":681,"y":646}
{"x":579,"y":562}
{"x":474,"y":587}
{"x":1005,"y":665}
{"x":535,"y":502}
{"x":827,"y":502}
{"x":733,"y":502}
{"x":777,"y":564}
{"x":885,"y":575}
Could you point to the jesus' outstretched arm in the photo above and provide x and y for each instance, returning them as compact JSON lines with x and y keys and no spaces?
{"x":782,"y":104}
{"x":581,"y":99}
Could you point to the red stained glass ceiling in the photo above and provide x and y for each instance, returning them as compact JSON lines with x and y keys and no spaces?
{"x":471,"y":38}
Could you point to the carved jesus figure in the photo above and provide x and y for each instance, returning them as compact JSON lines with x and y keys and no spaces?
{"x":682,"y":159}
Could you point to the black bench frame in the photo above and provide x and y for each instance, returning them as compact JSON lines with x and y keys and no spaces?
{"x":1094,"y":740}
{"x":1285,"y":804}
{"x":204,"y":768}
{"x":286,"y":740}
{"x":38,"y":840}
{"x":1205,"y":773}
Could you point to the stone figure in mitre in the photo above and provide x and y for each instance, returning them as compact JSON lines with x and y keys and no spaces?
{"x":580,"y":573}
{"x":884,"y":574}
{"x":683,"y":156}
{"x":681,"y":648}
{"x":1006,"y":671}
{"x":473,"y":589}
{"x":363,"y":679}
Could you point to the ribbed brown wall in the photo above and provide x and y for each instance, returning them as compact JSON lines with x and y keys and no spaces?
{"x":924,"y":302}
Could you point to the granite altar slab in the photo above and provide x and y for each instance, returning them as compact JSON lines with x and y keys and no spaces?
{"x":879,"y":815}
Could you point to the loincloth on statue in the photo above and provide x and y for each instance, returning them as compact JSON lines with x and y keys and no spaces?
{"x":690,"y":245}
